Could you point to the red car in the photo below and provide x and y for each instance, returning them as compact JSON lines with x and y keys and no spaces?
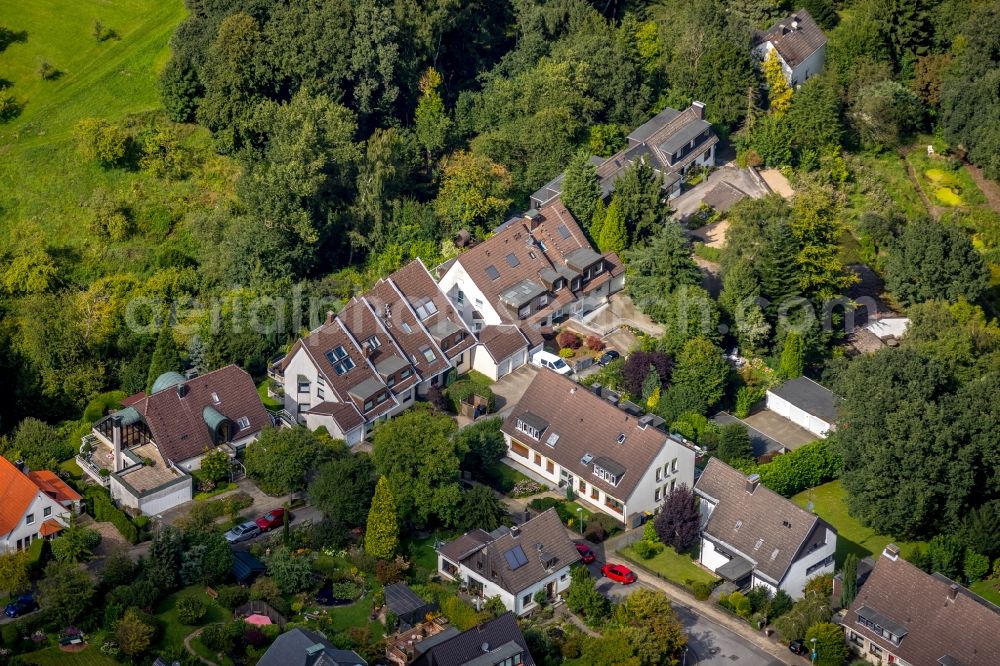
{"x":619,"y":573}
{"x":274,"y":518}
{"x":586,"y":554}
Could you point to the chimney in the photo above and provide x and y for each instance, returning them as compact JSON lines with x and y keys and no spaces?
{"x":116,"y":440}
{"x":752,"y":482}
{"x":182,"y":390}
{"x":699,"y":108}
{"x":515,"y":532}
{"x":596,"y":388}
{"x":329,"y":317}
{"x":533,"y":219}
{"x":952,"y":591}
{"x":527,"y":515}
{"x":783,"y":28}
{"x":891,"y":551}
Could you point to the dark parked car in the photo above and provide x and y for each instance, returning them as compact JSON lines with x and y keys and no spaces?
{"x":23,"y":605}
{"x":608,"y":356}
{"x":586,"y":554}
{"x":272,"y":519}
{"x":798,"y":646}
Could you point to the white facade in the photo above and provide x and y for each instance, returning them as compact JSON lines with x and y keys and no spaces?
{"x":798,"y":416}
{"x":155,"y":501}
{"x":41,"y":508}
{"x":484,"y":363}
{"x":519,"y":603}
{"x":466,"y":297}
{"x":806,"y":69}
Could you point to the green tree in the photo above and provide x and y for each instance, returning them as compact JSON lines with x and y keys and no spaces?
{"x":702,"y":367}
{"x":283,"y":460}
{"x":817,"y":227}
{"x":100,"y":140}
{"x":946,"y":555}
{"x":37,"y":443}
{"x":75,"y":543}
{"x":596,"y":224}
{"x":884,"y":114}
{"x":14,"y":572}
{"x":416,"y":452}
{"x":792,"y":356}
{"x":65,"y":592}
{"x":431,"y":121}
{"x":975,"y":567}
{"x":580,"y":188}
{"x":290,"y":572}
{"x":647,"y":618}
{"x":778,"y":91}
{"x":474,"y":192}
{"x":650,"y":384}
{"x":180,"y":90}
{"x":654,"y":270}
{"x":811,"y":609}
{"x":688,"y":312}
{"x":163,"y":565}
{"x":830,"y":647}
{"x":166,"y":355}
{"x":934,"y":261}
{"x":482,"y":508}
{"x":815,"y":117}
{"x":134,"y":634}
{"x":639,"y":193}
{"x":343,"y":489}
{"x":583,"y":598}
{"x":849,"y":582}
{"x":207,"y":558}
{"x":215,"y":466}
{"x":382,"y":532}
{"x":734,"y":443}
{"x":957,"y":335}
{"x":483,"y":443}
{"x":614,"y":234}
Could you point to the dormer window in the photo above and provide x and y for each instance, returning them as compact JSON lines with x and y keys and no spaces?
{"x":524,"y":312}
{"x":373,"y":342}
{"x":425,"y":308}
{"x":243,"y":423}
{"x":528,"y":430}
{"x":543,"y":299}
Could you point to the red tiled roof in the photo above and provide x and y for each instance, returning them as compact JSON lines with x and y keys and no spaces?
{"x":16,"y":494}
{"x":50,"y":527}
{"x":414,"y":281}
{"x":134,"y":398}
{"x":177,"y":424}
{"x":53,"y":486}
{"x":966,"y":628}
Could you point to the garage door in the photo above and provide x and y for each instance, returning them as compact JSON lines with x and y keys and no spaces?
{"x":520,"y":358}
{"x":503,"y":368}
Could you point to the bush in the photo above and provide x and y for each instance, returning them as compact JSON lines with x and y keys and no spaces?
{"x":391,"y":571}
{"x":647,"y":549}
{"x":46,"y":70}
{"x":702,"y":590}
{"x":526,"y":488}
{"x":566,"y":352}
{"x":976,"y":566}
{"x":569,"y":339}
{"x":738,"y":603}
{"x":594,"y":343}
{"x":105,"y":511}
{"x":99,"y":140}
{"x":190,"y":610}
{"x":803,"y":468}
{"x":232,"y":596}
{"x":746,"y":398}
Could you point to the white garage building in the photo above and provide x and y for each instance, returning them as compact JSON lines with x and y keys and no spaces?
{"x":805,"y":403}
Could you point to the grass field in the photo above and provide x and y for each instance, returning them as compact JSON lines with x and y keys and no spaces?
{"x":830,"y":503}
{"x":987,"y":589}
{"x":53,"y":656}
{"x":43,"y":181}
{"x":174,"y":631}
{"x":678,"y":568}
{"x":888,"y":172}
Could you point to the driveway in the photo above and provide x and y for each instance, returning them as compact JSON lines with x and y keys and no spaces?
{"x":780,"y":429}
{"x":722,"y":188}
{"x":509,"y":388}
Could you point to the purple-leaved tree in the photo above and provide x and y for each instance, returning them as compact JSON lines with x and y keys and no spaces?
{"x":677,"y":523}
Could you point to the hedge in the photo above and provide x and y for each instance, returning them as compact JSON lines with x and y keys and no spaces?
{"x":463,"y":389}
{"x":99,"y":502}
{"x":800,"y":469}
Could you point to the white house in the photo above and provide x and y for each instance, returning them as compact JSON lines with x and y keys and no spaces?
{"x":751,"y":536}
{"x":672,"y":142}
{"x":806,"y":404}
{"x":33,"y":505}
{"x":615,"y":461}
{"x":512,"y":563}
{"x":799,"y":43}
{"x":533,"y":271}
{"x":370,"y":361}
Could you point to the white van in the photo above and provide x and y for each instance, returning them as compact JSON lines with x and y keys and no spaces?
{"x":544,"y":359}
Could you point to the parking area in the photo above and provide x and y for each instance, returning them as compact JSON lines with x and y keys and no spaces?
{"x":776,"y":427}
{"x":509,"y":388}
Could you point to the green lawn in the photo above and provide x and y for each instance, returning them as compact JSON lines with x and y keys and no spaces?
{"x":886,"y":171}
{"x":53,"y":656}
{"x":950,"y":187}
{"x":678,"y":568}
{"x":581,"y":515}
{"x":173,"y":631}
{"x":987,"y":589}
{"x":830,"y":503}
{"x":269,"y":402}
{"x":72,"y":468}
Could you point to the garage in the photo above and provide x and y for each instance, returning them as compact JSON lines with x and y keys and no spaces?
{"x":806,"y":404}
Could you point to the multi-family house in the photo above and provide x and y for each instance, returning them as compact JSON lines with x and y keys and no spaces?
{"x":144,"y":452}
{"x":672,"y":142}
{"x":754,"y":537}
{"x":370,"y":361}
{"x":33,"y":505}
{"x":615,"y":461}
{"x":513,"y":563}
{"x":533,"y":271}
{"x":904,"y":616}
{"x":497,"y":642}
{"x":798,"y":42}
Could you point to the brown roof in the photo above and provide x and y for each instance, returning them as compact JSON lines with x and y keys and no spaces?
{"x":515,"y":255}
{"x":502,"y":636}
{"x":465,"y":545}
{"x":763,"y":526}
{"x":178,"y":425}
{"x":585,"y":423}
{"x":794,"y":44}
{"x":502,"y":341}
{"x":345,"y":414}
{"x":414,"y":281}
{"x":542,"y":540}
{"x":53,"y":486}
{"x":16,"y":494}
{"x":900,"y":596}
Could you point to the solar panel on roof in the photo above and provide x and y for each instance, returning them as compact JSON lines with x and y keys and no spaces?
{"x":515,"y":558}
{"x":563,"y":231}
{"x":512,"y":260}
{"x":492,"y":272}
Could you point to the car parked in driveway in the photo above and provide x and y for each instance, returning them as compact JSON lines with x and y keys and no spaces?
{"x":23,"y":605}
{"x":608,"y":356}
{"x":544,"y":359}
{"x":619,"y":573}
{"x":272,"y":519}
{"x":586,"y":554}
{"x":242,"y":532}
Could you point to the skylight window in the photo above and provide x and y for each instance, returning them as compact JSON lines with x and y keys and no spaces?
{"x":760,"y":542}
{"x":563,"y":231}
{"x":492,"y":272}
{"x":553,"y":438}
{"x":587,"y":458}
{"x":513,"y":260}
{"x":425,"y":309}
{"x":621,"y":438}
{"x":215,"y":398}
{"x":515,"y":558}
{"x":243,"y":423}
{"x":373,"y":342}
{"x":406,"y":327}
{"x":428,"y":354}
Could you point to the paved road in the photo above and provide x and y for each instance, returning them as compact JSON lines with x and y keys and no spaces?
{"x":709,"y":644}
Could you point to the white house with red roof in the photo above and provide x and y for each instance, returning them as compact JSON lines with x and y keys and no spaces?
{"x":33,"y":505}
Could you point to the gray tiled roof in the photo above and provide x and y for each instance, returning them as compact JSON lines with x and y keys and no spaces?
{"x":490,"y":639}
{"x":300,"y":647}
{"x":810,"y":397}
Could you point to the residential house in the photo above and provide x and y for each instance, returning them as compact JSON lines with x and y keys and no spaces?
{"x":799,"y":44}
{"x":671,"y":142}
{"x":144,"y":453}
{"x":498,"y":642}
{"x":615,"y":461}
{"x":512,"y":563}
{"x":532,"y":272}
{"x":752,"y":536}
{"x":904,"y":616}
{"x":371,"y":360}
{"x":33,"y":505}
{"x":302,"y":647}
{"x":805,"y":403}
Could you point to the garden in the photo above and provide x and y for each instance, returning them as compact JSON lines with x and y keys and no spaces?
{"x":944,"y":180}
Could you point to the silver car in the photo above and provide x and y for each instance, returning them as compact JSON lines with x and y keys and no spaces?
{"x":242,"y":532}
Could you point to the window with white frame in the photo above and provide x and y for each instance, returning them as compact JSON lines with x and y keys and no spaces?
{"x":29,"y":519}
{"x":528,"y":430}
{"x":46,"y":512}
